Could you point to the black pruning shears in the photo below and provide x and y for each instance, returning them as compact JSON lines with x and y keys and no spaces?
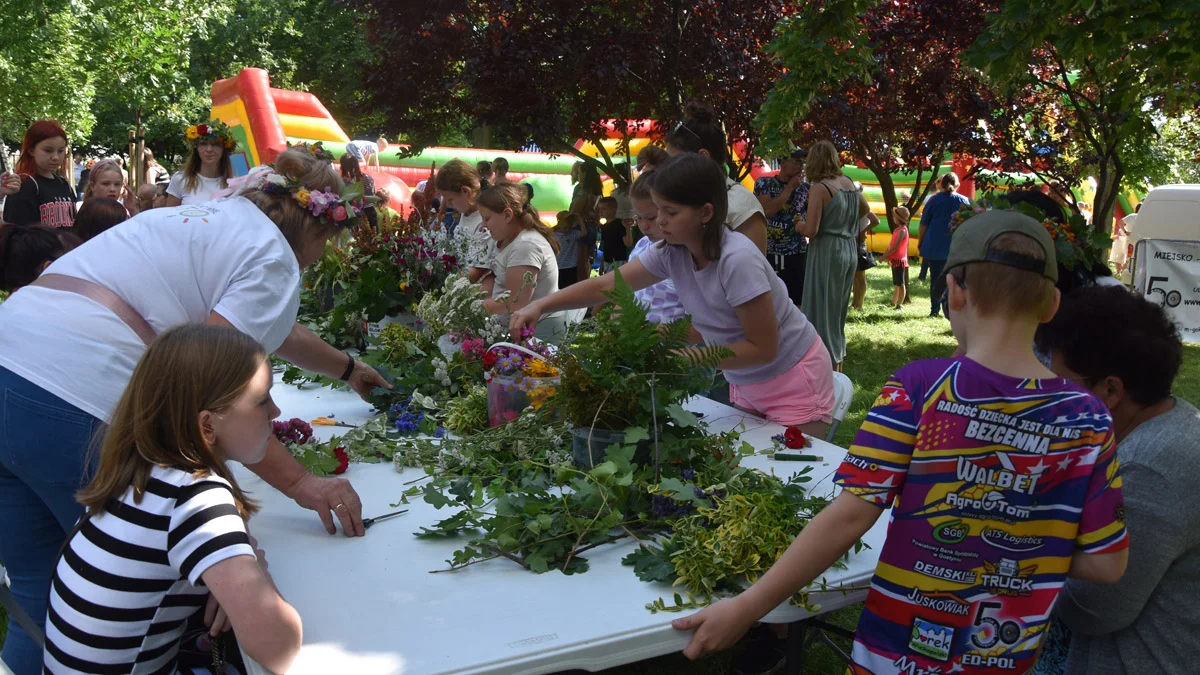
{"x":368,"y":522}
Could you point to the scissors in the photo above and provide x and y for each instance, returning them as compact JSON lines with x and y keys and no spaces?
{"x":368,"y":522}
{"x":329,"y":422}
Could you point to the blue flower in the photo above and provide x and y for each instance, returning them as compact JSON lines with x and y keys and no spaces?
{"x":439,"y":433}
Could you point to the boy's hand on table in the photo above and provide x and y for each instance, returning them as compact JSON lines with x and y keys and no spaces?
{"x":718,"y":627}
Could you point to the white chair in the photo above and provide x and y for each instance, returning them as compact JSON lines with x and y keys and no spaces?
{"x":843,"y":394}
{"x":15,"y":612}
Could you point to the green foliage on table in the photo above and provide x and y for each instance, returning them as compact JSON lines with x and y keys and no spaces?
{"x":627,"y":370}
{"x":468,"y":413}
{"x":732,"y":541}
{"x":370,"y":443}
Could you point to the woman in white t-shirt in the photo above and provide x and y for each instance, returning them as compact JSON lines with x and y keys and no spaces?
{"x":163,"y":551}
{"x":701,"y":132}
{"x":69,"y":343}
{"x":208,"y":167}
{"x":459,"y":184}
{"x":525,"y":266}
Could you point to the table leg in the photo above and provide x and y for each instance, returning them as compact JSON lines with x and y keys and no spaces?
{"x":794,"y":650}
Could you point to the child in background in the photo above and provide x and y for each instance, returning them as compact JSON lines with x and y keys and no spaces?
{"x":779,"y":368}
{"x":42,"y":196}
{"x":163,"y":541}
{"x":484,"y":168}
{"x":613,"y":235}
{"x":459,"y":184}
{"x":388,"y":218}
{"x":27,"y":250}
{"x":107,"y":181}
{"x":145,"y":196}
{"x":1002,"y":478}
{"x":500,"y":171}
{"x":526,"y":261}
{"x":97,"y":215}
{"x":660,"y":300}
{"x":897,"y":255}
{"x":568,"y":230}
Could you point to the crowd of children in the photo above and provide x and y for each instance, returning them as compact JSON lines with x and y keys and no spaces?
{"x":1008,"y":504}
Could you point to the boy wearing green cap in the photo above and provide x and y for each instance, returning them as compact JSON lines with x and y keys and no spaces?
{"x":1001,"y":477}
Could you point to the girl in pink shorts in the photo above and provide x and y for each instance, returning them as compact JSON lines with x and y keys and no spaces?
{"x":780,"y":368}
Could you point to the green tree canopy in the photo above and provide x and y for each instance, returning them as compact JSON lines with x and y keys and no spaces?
{"x":1112,"y":65}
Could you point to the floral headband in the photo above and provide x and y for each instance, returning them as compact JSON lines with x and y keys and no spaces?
{"x":315,"y":149}
{"x":215,"y":131}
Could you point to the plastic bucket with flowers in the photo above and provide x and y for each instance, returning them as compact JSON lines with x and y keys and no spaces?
{"x":517,"y":378}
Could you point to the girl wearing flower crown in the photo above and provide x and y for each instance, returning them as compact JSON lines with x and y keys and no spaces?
{"x":208,"y":167}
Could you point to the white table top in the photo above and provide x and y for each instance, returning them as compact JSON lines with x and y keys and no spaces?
{"x":370,"y":605}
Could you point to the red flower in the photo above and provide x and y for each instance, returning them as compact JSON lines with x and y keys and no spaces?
{"x":202,"y":129}
{"x":343,"y":460}
{"x":794,"y":439}
{"x":489,"y":360}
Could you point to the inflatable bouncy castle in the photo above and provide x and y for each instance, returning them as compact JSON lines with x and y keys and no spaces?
{"x":264,"y":120}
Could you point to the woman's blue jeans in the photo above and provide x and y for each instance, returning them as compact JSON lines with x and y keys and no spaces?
{"x":44,"y":460}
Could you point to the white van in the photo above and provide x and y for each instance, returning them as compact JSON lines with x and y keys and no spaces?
{"x":1169,"y":212}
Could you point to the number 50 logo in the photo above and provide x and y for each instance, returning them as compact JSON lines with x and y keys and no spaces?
{"x":989,"y":631}
{"x":1169,"y":298}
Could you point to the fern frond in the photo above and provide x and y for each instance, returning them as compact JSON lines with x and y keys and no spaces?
{"x":676,"y":335}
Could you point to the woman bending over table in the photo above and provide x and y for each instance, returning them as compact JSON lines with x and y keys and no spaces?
{"x":779,"y":368}
{"x":69,"y":343}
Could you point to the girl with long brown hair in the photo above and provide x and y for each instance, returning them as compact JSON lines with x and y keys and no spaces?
{"x":526,"y":262}
{"x":165,"y":523}
{"x":208,"y":167}
{"x":459,"y":184}
{"x":778,"y":368}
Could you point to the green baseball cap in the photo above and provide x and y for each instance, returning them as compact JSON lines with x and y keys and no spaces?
{"x":972,"y":242}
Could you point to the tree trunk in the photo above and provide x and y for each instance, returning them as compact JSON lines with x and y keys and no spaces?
{"x":1108,"y":186}
{"x":888,"y":187}
{"x":481,"y":137}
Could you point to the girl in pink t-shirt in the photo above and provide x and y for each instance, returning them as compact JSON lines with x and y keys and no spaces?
{"x":897,"y":255}
{"x":779,"y":368}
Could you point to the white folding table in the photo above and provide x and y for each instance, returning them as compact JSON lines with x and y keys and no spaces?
{"x":370,"y":605}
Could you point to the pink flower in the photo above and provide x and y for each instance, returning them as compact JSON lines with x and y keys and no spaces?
{"x":339,"y":213}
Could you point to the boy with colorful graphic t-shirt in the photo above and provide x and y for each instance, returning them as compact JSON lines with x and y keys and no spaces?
{"x":994,"y":483}
{"x":1001,"y":477}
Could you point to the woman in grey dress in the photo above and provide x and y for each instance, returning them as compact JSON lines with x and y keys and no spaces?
{"x":831,"y":224}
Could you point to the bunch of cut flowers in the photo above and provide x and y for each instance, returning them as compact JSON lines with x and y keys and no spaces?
{"x":321,"y":459}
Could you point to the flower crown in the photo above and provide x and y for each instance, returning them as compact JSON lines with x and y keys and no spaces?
{"x":315,"y":149}
{"x":327,"y":206}
{"x":215,"y":131}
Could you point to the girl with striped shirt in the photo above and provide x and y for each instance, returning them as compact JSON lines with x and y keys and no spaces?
{"x":164,"y":536}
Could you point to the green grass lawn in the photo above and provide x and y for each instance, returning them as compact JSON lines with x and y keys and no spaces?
{"x":879,"y":340}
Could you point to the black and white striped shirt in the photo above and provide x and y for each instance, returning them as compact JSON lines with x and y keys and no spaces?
{"x":129,"y":579}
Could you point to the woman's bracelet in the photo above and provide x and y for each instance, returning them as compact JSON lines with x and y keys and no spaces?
{"x":349,"y":369}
